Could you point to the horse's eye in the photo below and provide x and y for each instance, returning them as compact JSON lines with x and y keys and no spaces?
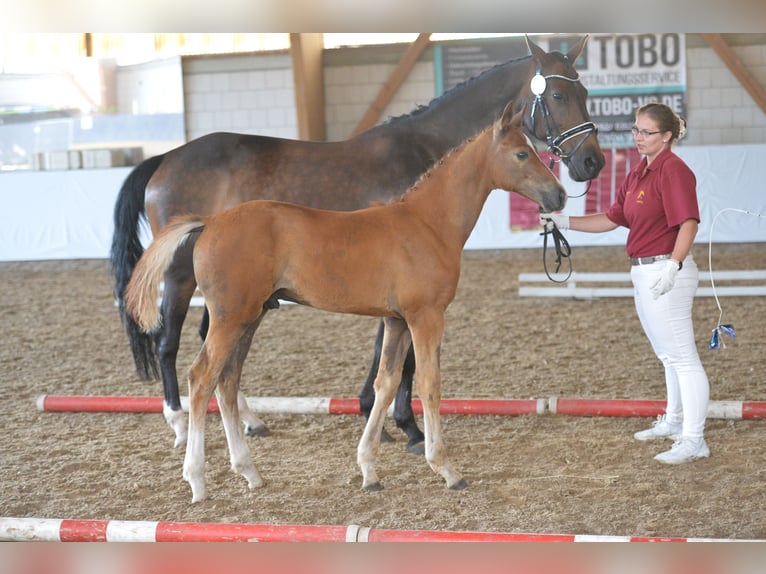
{"x":558,"y":96}
{"x":522,"y":155}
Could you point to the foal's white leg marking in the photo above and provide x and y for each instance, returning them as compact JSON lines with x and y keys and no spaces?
{"x":239,"y":453}
{"x":178,"y":421}
{"x":395,"y":343}
{"x":436,"y":452}
{"x":367,"y":451}
{"x":428,"y":386}
{"x":194,"y":461}
{"x":252,"y":422}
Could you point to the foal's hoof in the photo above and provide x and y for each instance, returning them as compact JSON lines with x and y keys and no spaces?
{"x":459,"y":485}
{"x":374,"y":487}
{"x":418,"y":448}
{"x":385,"y":437}
{"x":262,"y":430}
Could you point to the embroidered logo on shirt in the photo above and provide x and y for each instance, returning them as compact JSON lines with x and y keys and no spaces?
{"x":640,"y":197}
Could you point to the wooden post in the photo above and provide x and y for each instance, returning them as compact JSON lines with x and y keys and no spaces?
{"x":306,"y":52}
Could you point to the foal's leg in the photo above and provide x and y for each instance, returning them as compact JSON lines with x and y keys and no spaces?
{"x":367,"y":394}
{"x":403,"y":415}
{"x":201,"y":385}
{"x":395,"y":342}
{"x":427,"y":335}
{"x":253,"y":425}
{"x":228,"y":395}
{"x":218,"y":365}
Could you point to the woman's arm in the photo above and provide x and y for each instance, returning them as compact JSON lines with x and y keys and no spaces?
{"x":686,"y":234}
{"x":595,"y":223}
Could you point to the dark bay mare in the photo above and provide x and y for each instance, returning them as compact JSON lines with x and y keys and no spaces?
{"x":399,"y":261}
{"x":221,"y":170}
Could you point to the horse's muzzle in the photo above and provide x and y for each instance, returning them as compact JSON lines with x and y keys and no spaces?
{"x":586,"y":165}
{"x":555,"y":199}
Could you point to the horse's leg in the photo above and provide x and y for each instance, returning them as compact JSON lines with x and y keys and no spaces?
{"x":427,"y":334}
{"x":218,"y":363}
{"x":227,"y":393}
{"x":403,"y":415}
{"x":253,"y":425}
{"x":395,"y":342}
{"x":179,"y":288}
{"x":204,"y":323}
{"x":367,"y":394}
{"x":200,"y":390}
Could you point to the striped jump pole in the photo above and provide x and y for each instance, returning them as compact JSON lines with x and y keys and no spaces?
{"x":64,"y":530}
{"x":737,"y":410}
{"x":287,"y":405}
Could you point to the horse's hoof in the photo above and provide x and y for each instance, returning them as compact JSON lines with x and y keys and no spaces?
{"x":418,"y":448}
{"x":257,"y":431}
{"x":385,"y":437}
{"x":459,"y":485}
{"x":374,"y":487}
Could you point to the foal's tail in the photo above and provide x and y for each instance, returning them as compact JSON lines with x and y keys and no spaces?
{"x":129,"y":211}
{"x":144,"y":286}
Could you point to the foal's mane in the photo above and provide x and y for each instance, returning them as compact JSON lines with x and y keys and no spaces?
{"x":427,"y":174}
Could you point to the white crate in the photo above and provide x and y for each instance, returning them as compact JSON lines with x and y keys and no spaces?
{"x":102,"y":158}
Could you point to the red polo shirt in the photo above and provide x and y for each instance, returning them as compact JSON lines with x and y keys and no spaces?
{"x":654,"y":205}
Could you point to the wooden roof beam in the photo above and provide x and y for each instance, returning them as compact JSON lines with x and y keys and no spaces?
{"x":740,"y":71}
{"x":395,"y":80}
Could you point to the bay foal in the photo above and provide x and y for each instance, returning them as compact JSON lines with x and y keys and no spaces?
{"x":399,"y":261}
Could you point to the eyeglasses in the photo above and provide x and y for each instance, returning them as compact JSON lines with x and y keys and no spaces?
{"x":644,"y":133}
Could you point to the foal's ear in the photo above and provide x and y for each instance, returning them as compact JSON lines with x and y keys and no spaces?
{"x":576,"y":50}
{"x":510,"y":119}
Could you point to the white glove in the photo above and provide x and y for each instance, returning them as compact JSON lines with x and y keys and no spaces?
{"x":667,"y":278}
{"x":548,"y":219}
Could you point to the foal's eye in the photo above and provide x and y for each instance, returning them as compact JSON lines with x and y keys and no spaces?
{"x":522,"y":155}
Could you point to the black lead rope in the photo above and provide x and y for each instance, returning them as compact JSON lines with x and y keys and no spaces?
{"x":563,"y":251}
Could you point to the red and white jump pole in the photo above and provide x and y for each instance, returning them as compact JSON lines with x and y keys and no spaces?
{"x":64,"y":530}
{"x":499,"y":407}
{"x":287,"y":405}
{"x":650,"y":408}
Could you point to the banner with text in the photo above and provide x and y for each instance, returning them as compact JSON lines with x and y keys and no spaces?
{"x":624,"y":71}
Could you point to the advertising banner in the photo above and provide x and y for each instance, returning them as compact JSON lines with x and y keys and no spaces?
{"x":624,"y":71}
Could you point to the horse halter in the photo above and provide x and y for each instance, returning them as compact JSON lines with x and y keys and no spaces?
{"x":538,"y":86}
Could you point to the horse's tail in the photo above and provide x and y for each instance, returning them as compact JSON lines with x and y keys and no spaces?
{"x":144,"y":285}
{"x":126,"y":250}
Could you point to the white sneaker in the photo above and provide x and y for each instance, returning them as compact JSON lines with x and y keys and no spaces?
{"x":684,"y":450}
{"x":661,"y":428}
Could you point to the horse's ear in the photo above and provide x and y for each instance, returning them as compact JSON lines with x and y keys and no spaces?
{"x":537,"y":52}
{"x":576,"y":50}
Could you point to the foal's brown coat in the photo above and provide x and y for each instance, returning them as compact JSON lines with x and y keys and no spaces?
{"x":400,"y":261}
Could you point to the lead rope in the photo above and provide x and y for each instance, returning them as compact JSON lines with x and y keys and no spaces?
{"x":716,"y":342}
{"x":563,"y":251}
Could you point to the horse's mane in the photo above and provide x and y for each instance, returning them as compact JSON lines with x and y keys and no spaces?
{"x":449,"y":93}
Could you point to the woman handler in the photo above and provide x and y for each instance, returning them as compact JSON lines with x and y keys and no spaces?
{"x":657,"y":202}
